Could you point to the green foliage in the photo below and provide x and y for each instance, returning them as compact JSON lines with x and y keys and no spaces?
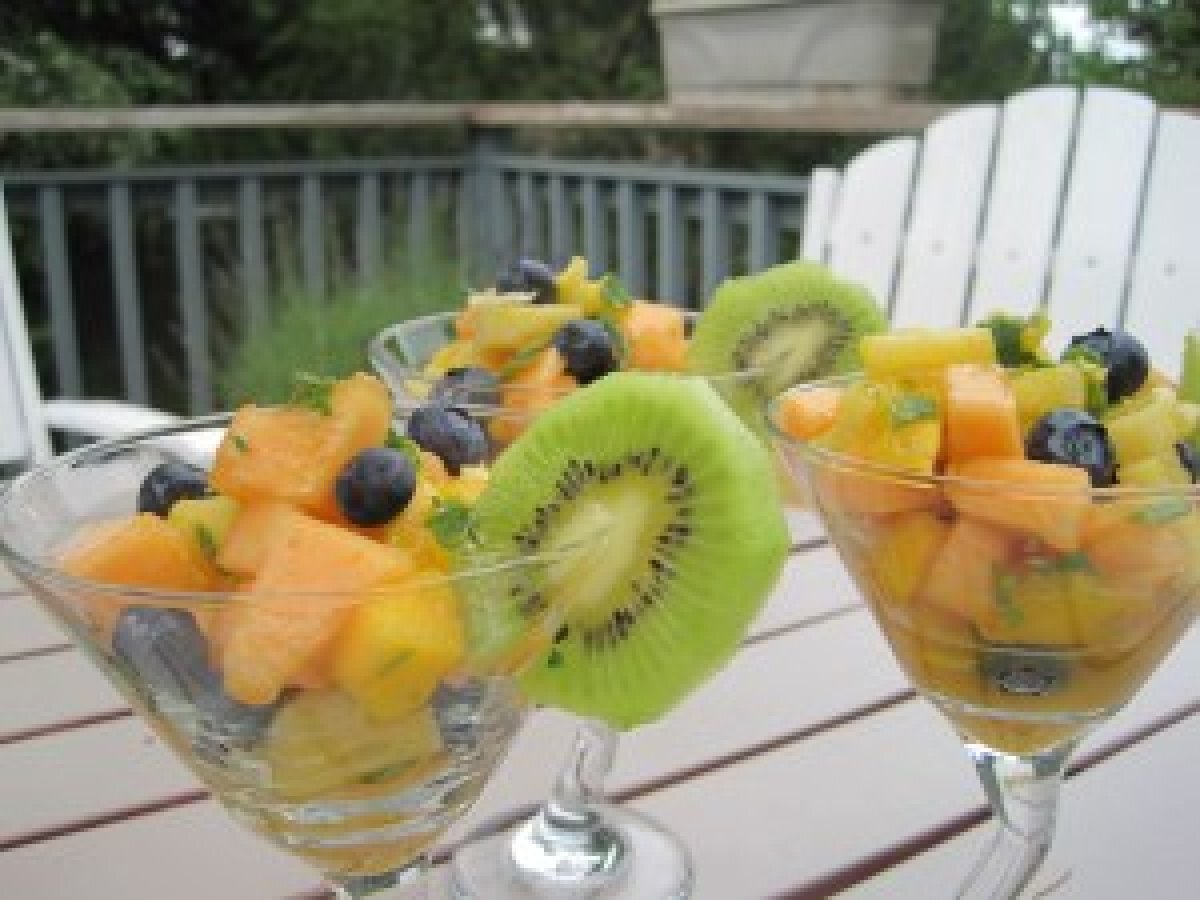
{"x":1169,"y":71}
{"x":987,"y":49}
{"x":328,"y":337}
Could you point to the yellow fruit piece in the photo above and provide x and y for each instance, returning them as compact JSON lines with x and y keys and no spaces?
{"x":903,"y":553}
{"x":206,"y":520}
{"x":323,"y":740}
{"x":574,"y":287}
{"x":1144,"y":429}
{"x":515,"y":326}
{"x":468,"y":485}
{"x":1037,"y":391}
{"x":418,"y":543}
{"x":395,"y":648}
{"x":909,"y":350}
{"x":1160,"y":469}
{"x":455,"y":354}
{"x":888,"y":424}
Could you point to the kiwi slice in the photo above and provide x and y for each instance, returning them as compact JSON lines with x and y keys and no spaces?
{"x":674,"y":505}
{"x":792,"y":323}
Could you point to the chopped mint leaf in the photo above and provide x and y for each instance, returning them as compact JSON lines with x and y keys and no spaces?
{"x":384,"y":773}
{"x":620,"y":348}
{"x":1164,"y":510}
{"x":448,"y":521}
{"x":393,"y":346}
{"x":312,"y":392}
{"x":1083,"y":353}
{"x":405,"y":445}
{"x":1004,"y":586}
{"x":394,"y":663}
{"x":1018,"y":341}
{"x":909,"y":408}
{"x":554,"y":659}
{"x":1075,"y":561}
{"x":206,"y":539}
{"x":239,"y":441}
{"x":615,"y":293}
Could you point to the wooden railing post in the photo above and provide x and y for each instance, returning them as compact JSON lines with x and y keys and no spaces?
{"x":483,"y":204}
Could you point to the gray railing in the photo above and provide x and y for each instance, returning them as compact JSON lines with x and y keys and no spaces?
{"x":239,"y":230}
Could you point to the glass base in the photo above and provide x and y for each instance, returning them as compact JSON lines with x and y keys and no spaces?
{"x":623,"y":854}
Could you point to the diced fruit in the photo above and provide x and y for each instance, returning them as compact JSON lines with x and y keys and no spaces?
{"x":655,"y":337}
{"x":1038,"y":391}
{"x":1122,"y":355}
{"x":469,"y":484}
{"x":206,"y":520}
{"x":576,"y":289}
{"x":1142,"y":543}
{"x":1145,"y":430}
{"x":532,"y":390}
{"x":323,"y":740}
{"x":515,"y":326}
{"x":451,"y":434}
{"x":587,"y":350}
{"x":1046,"y":500}
{"x":168,"y":482}
{"x":900,"y":558}
{"x":375,"y":486}
{"x":1073,"y":437}
{"x":909,"y":350}
{"x":397,"y":646}
{"x":251,"y":533}
{"x":459,"y":353}
{"x":806,"y":413}
{"x":1161,"y":469}
{"x":980,"y":414}
{"x":313,"y":574}
{"x":139,"y":551}
{"x":294,"y":454}
{"x":529,"y":276}
{"x":961,"y":578}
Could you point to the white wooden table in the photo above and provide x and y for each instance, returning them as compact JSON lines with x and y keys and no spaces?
{"x":805,"y":769}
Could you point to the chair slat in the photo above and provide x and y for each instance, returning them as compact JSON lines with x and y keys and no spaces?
{"x":1100,"y":212}
{"x":24,"y":433}
{"x":946,"y":213}
{"x":823,"y":188}
{"x":1026,"y":190}
{"x":1164,"y":295}
{"x":868,"y":227}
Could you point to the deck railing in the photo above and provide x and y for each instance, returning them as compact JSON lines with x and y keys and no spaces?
{"x":670,"y":233}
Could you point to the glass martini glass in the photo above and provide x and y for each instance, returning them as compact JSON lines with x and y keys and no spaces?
{"x":576,"y":844}
{"x":361,"y":800}
{"x":1026,"y":630}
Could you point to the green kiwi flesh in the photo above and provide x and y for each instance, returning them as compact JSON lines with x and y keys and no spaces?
{"x":792,"y":323}
{"x":674,"y":505}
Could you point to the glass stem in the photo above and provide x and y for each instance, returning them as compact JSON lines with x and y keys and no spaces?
{"x":408,"y":883}
{"x":1023,"y":792}
{"x":581,"y":781}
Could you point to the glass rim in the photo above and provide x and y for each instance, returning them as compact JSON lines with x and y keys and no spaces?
{"x":854,"y":464}
{"x":40,"y":571}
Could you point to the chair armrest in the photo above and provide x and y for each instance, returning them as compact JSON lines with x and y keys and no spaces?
{"x":102,"y":418}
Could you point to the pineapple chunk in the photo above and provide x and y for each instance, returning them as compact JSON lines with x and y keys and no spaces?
{"x":1040,"y":390}
{"x":908,"y":350}
{"x":206,"y":520}
{"x":514,"y":326}
{"x":1146,"y":430}
{"x":573,"y":286}
{"x":903,"y":553}
{"x":394,"y":649}
{"x":1160,"y":469}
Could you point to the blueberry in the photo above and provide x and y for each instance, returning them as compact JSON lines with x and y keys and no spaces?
{"x":1124,"y":357}
{"x":1074,"y":438}
{"x":1026,"y":670}
{"x":529,"y":276}
{"x":168,"y":482}
{"x":587,"y":349}
{"x":375,"y":485}
{"x":169,"y":656}
{"x":1189,"y":459}
{"x":469,"y":385}
{"x":449,"y":433}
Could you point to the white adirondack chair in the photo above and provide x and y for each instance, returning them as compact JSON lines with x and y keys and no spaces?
{"x":1081,"y":202}
{"x":24,"y":416}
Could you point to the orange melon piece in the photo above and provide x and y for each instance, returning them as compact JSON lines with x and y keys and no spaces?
{"x":139,"y":551}
{"x":980,"y":418}
{"x":253,"y":529}
{"x":902,"y":553}
{"x":313,"y":574}
{"x":654,"y":333}
{"x":961,"y":577}
{"x":535,"y":388}
{"x":804,"y":414}
{"x":1140,"y":545}
{"x":1054,"y":516}
{"x":294,"y":454}
{"x":859,"y":493}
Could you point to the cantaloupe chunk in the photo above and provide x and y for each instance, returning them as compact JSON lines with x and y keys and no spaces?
{"x":1046,"y":501}
{"x":903,"y":552}
{"x":1140,"y":545}
{"x":294,"y":454}
{"x":313,"y":574}
{"x":654,"y":337}
{"x":961,"y":578}
{"x":138,"y":551}
{"x":806,"y":413}
{"x":980,"y":414}
{"x":251,"y":532}
{"x":534,"y":389}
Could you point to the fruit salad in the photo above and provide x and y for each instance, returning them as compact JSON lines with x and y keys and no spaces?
{"x":537,"y":335}
{"x":1023,"y":523}
{"x":321,"y":650}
